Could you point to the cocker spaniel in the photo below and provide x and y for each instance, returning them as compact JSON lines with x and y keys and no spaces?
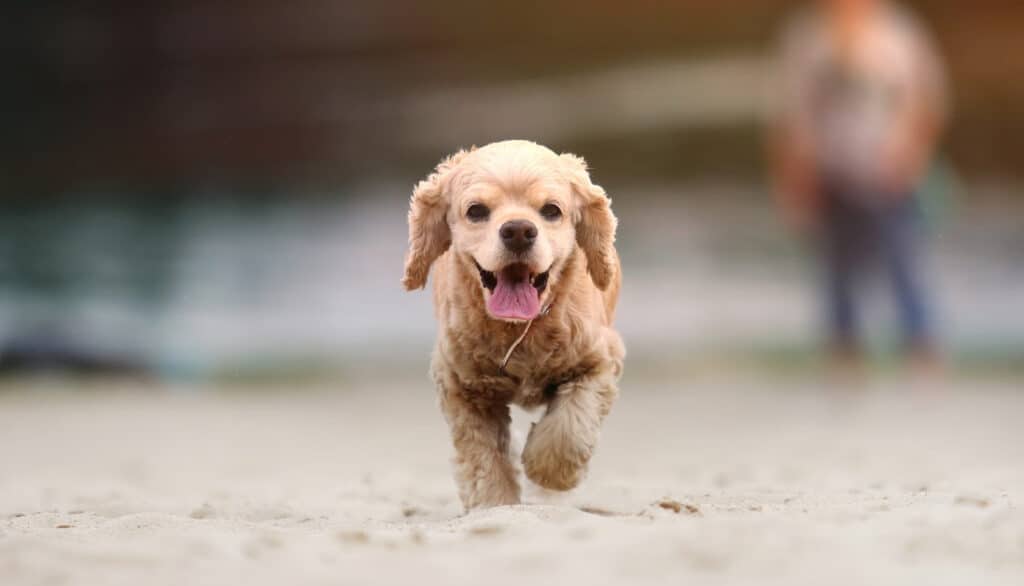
{"x":526,"y":279}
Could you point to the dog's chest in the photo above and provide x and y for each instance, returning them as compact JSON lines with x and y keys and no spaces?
{"x":550,"y":354}
{"x":537,"y":367}
{"x":537,"y":383}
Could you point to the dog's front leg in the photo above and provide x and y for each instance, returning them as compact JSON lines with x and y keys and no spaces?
{"x":561,"y":443}
{"x":484,"y":471}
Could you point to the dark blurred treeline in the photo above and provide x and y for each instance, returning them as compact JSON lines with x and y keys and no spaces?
{"x":162,"y":91}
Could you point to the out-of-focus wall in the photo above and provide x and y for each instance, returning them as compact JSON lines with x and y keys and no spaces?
{"x":172,"y":91}
{"x":193,"y":187}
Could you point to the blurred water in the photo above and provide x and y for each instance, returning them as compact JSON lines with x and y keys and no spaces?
{"x":215,"y":281}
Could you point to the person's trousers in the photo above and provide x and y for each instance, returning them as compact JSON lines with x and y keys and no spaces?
{"x":860,"y":236}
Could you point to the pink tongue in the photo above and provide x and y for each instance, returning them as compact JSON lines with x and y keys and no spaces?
{"x":514,"y":299}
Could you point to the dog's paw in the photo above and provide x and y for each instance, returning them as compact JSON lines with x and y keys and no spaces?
{"x":554,"y":457}
{"x":487,"y":482}
{"x":487,"y":497}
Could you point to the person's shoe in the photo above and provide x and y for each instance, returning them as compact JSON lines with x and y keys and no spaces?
{"x":925,"y":365}
{"x":846,"y":364}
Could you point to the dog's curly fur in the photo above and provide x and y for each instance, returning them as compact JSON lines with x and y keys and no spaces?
{"x":571,"y":358}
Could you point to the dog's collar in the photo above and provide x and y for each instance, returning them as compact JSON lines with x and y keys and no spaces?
{"x":519,"y":340}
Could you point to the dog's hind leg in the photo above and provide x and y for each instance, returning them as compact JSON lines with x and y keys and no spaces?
{"x":561,"y":443}
{"x":484,"y":472}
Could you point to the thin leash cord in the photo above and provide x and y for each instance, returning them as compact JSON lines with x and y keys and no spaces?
{"x":519,"y":340}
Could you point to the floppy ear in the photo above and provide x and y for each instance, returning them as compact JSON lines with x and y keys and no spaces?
{"x":429,"y":234}
{"x":595,"y":223}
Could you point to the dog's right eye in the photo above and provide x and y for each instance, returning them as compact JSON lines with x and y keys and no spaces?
{"x":477,"y":212}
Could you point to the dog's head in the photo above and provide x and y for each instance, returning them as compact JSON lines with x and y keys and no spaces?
{"x":513,"y":211}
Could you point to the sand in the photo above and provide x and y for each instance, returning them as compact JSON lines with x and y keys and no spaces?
{"x":706,"y":480}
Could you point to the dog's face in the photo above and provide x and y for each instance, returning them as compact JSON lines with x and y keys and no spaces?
{"x":513,"y":212}
{"x":516,"y":232}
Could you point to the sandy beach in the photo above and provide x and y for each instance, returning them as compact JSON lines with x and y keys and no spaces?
{"x":701,"y":479}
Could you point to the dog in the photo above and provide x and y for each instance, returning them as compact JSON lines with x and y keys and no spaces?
{"x":526,"y":279}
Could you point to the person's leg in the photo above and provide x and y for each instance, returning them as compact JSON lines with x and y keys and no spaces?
{"x":902,"y":243}
{"x":841,"y":252}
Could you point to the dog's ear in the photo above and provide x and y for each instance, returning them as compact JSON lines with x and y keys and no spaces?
{"x":429,"y":234}
{"x":595,"y":223}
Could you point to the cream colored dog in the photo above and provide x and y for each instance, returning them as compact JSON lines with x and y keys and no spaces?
{"x":525,"y":287}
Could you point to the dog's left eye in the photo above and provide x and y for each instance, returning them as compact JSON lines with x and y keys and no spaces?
{"x":551,"y":212}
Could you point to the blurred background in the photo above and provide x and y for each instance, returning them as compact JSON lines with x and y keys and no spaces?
{"x":217,"y":190}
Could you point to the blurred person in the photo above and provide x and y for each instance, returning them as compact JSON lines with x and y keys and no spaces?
{"x":863,"y":102}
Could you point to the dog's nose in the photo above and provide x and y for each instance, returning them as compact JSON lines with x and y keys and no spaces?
{"x":518,"y":235}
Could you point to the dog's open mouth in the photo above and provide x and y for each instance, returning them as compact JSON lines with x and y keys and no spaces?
{"x":515,"y":291}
